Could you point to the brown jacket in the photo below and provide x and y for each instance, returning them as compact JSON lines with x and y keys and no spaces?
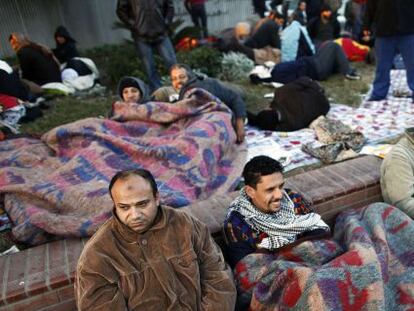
{"x":175,"y":265}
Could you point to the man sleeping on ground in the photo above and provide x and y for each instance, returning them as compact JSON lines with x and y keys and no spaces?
{"x":294,"y":106}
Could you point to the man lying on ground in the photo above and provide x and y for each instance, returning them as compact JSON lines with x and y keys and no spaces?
{"x":183,"y":79}
{"x":150,"y":257}
{"x":328,"y":60}
{"x":265,"y":216}
{"x":294,"y":106}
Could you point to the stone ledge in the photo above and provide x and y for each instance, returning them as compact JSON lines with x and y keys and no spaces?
{"x":41,"y":278}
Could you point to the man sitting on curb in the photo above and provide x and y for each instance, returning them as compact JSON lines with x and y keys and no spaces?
{"x":265,"y":216}
{"x":397,"y":174}
{"x":183,"y":79}
{"x":150,"y":257}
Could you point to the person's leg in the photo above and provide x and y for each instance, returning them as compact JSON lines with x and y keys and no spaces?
{"x":325,"y":60}
{"x":406,"y":48}
{"x":341,"y":62}
{"x":194,"y":17}
{"x":166,"y":51}
{"x":385,"y":49}
{"x":147,"y":57}
{"x":203,"y":17}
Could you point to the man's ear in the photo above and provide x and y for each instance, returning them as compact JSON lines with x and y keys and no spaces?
{"x":250,"y":191}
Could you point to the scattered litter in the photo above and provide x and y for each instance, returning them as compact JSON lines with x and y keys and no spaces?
{"x":377,"y":150}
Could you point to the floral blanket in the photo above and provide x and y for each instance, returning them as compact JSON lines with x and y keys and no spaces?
{"x":368,"y":264}
{"x":58,"y":185}
{"x":377,"y":121}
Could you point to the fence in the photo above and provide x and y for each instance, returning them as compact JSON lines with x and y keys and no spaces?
{"x":91,"y":21}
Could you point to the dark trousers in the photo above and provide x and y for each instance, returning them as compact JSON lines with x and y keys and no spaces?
{"x":329,"y":59}
{"x":385,"y":49}
{"x":199,"y":17}
{"x":165,"y":50}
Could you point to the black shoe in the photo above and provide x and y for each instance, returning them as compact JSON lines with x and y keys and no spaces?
{"x":352,"y":75}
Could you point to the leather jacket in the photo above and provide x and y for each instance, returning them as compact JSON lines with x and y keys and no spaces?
{"x":148,"y":20}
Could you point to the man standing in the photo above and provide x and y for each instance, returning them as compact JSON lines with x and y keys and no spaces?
{"x":150,"y":257}
{"x":265,"y":216}
{"x":148,"y":21}
{"x":197,"y":10}
{"x":394,"y":31}
{"x":183,"y":78}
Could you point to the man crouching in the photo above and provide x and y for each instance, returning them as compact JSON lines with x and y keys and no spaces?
{"x":265,"y":216}
{"x":150,"y":257}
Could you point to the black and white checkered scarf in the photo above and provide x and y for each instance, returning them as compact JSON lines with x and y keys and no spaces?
{"x":282,"y":227}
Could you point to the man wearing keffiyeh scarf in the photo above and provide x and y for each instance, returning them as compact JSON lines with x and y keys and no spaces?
{"x":282,"y":227}
{"x":264,"y":216}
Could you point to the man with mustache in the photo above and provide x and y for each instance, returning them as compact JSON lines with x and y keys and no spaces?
{"x":266,"y":217}
{"x":151,"y":257}
{"x":183,"y":79}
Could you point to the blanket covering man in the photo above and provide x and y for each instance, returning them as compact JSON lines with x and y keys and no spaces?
{"x":366,"y":265}
{"x":150,"y":257}
{"x":54,"y":186}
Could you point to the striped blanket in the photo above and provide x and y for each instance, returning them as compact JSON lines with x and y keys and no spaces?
{"x":57,"y":186}
{"x":368,"y":264}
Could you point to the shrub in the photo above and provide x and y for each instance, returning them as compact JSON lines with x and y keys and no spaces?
{"x":116,"y":61}
{"x":235,"y":66}
{"x":206,"y":59}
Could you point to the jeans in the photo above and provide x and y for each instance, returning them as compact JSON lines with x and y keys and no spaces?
{"x":385,"y":49}
{"x":199,"y":17}
{"x":330,"y":58}
{"x":166,"y":51}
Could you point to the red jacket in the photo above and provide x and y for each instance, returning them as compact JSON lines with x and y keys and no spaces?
{"x":8,"y":101}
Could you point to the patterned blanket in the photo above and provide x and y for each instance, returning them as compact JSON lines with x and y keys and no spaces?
{"x":368,"y":264}
{"x":58,"y":185}
{"x":376,"y":120}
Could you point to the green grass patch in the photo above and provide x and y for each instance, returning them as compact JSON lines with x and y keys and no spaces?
{"x":67,"y":109}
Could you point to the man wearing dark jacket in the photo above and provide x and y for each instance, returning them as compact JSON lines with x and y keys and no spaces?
{"x":183,"y":79}
{"x":148,"y":21}
{"x":267,"y":34}
{"x":329,"y":59}
{"x":294,"y":106}
{"x":393,"y":24}
{"x":325,"y":27}
{"x":65,"y":45}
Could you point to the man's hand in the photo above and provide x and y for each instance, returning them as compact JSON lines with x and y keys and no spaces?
{"x":240,"y":130}
{"x":366,"y":35}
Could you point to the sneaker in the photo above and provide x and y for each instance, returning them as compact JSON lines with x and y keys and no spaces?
{"x":352,"y":76}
